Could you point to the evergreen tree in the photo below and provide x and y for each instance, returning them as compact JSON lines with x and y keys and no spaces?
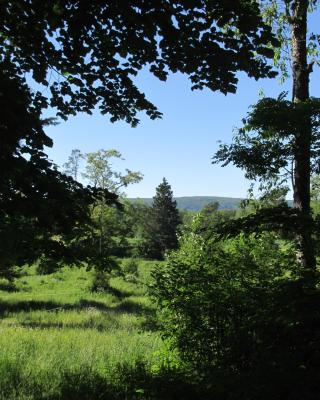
{"x":164,"y":220}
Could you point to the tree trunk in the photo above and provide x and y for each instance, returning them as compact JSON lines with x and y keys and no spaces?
{"x":302,"y":169}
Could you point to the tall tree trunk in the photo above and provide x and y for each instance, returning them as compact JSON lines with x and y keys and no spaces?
{"x":302,"y":169}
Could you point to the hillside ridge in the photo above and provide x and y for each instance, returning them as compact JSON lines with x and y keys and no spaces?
{"x":196,"y":203}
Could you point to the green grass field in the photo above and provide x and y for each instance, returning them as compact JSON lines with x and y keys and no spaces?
{"x":59,"y":340}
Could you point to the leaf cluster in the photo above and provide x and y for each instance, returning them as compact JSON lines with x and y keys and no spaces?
{"x":86,"y":54}
{"x":39,"y":206}
{"x":264,"y":147}
{"x":100,"y":173}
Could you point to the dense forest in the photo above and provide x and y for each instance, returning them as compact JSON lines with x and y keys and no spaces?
{"x":106,"y":297}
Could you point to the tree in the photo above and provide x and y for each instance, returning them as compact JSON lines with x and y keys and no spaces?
{"x":280,"y":139}
{"x":302,"y":139}
{"x":162,"y":223}
{"x":38,"y":204}
{"x":107,"y":229}
{"x":73,"y":56}
{"x":247,"y":305}
{"x":72,"y":166}
{"x":99,"y":171}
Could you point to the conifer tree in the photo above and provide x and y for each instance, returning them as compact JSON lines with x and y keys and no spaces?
{"x":163,"y":222}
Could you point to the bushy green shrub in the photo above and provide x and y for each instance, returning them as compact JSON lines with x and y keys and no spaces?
{"x":129,"y":269}
{"x":235,"y":310}
{"x":100,"y":281}
{"x":130,"y":266}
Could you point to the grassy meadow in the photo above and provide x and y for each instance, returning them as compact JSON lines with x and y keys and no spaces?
{"x":60,"y":340}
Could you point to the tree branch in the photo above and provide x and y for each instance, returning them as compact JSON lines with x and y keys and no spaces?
{"x":287,"y":11}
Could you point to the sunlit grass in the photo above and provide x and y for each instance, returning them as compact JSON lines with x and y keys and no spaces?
{"x":55,"y":334}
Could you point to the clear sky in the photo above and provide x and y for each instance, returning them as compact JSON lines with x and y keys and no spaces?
{"x":181,"y":144}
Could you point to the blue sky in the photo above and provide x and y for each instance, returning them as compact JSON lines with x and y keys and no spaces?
{"x":181,"y":144}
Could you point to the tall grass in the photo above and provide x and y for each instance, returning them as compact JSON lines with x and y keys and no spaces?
{"x":58,"y":340}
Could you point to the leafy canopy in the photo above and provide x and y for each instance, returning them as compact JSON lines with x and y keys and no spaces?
{"x":87,"y":53}
{"x":264,"y":146}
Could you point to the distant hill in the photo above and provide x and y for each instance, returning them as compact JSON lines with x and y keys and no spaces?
{"x":196,"y":203}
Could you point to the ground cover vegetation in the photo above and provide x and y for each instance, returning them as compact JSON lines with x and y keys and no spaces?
{"x":73,"y":333}
{"x":236,"y":298}
{"x":62,"y":340}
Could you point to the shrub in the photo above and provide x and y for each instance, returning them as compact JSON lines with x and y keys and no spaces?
{"x":236,"y":312}
{"x":130,"y":267}
{"x":100,"y":281}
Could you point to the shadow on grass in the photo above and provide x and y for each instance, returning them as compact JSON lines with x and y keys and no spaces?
{"x":84,"y":304}
{"x":8,"y":286}
{"x":131,"y":307}
{"x":136,"y":382}
{"x":117,"y":293}
{"x":125,"y":382}
{"x":125,"y":307}
{"x":120,"y":294}
{"x":131,"y":383}
{"x":26,"y":305}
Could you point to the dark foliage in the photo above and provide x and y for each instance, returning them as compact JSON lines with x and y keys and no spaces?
{"x":39,"y":206}
{"x":87,"y":52}
{"x":268,"y":148}
{"x":264,"y":146}
{"x":240,"y":317}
